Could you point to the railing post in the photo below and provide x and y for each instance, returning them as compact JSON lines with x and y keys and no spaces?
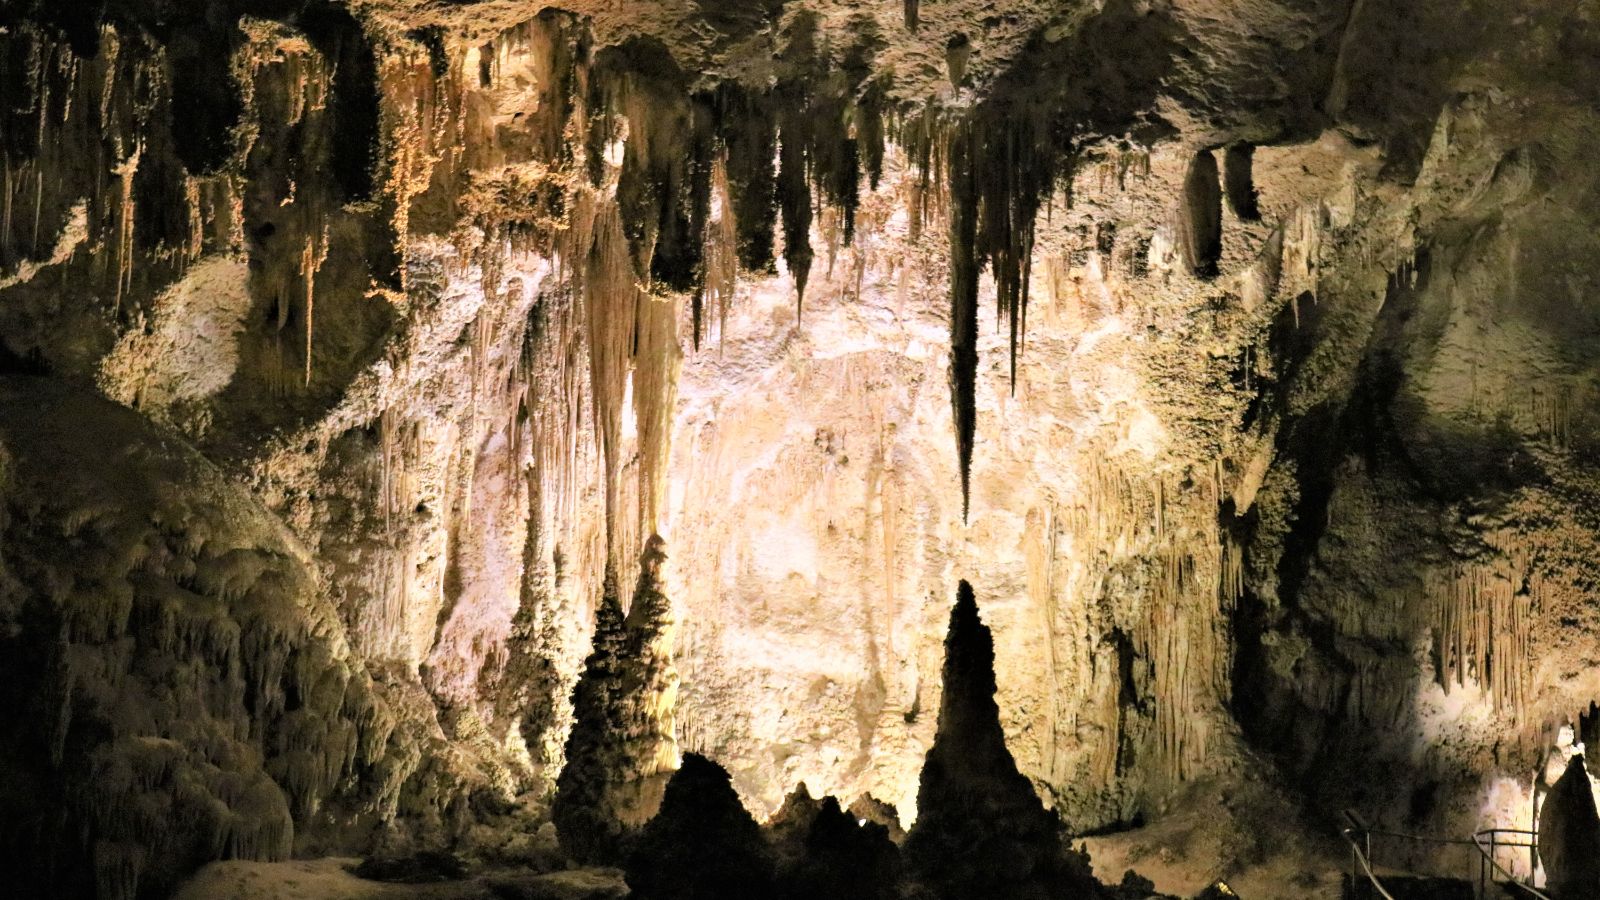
{"x":1483,"y":893}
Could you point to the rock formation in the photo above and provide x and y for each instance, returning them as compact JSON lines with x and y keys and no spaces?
{"x":1244,"y":352}
{"x":1569,"y":835}
{"x":981,"y":830}
{"x":182,"y":688}
{"x":621,"y":749}
{"x":843,"y":858}
{"x":586,"y":811}
{"x":702,"y":845}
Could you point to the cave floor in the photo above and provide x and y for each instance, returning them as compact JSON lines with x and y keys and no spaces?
{"x":330,"y":879}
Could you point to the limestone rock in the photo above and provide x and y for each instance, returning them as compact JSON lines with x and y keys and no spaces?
{"x":980,"y":827}
{"x":1569,"y":835}
{"x":702,"y":845}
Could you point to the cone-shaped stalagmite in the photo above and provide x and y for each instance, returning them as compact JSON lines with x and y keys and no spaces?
{"x":981,"y":830}
{"x":584,"y":811}
{"x":621,"y":750}
{"x":703,"y":845}
{"x":1569,"y":836}
{"x":650,"y":684}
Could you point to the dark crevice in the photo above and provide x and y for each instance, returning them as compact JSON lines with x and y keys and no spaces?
{"x":1239,"y":181}
{"x":1200,"y":216}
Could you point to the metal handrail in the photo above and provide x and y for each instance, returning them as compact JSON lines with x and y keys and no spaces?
{"x":1487,"y":842}
{"x":1494,"y":844}
{"x":1360,"y":855}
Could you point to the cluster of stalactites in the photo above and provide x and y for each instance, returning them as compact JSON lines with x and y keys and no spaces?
{"x":1484,"y":607}
{"x":996,"y":165}
{"x":86,"y":161}
{"x":666,"y":191}
{"x":698,"y":187}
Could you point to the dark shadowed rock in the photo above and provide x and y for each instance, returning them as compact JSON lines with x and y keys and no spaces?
{"x":844,"y":859}
{"x":1569,"y":836}
{"x":702,"y":845}
{"x":981,"y":830}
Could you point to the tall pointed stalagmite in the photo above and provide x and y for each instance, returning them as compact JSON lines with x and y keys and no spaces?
{"x":650,"y":687}
{"x":584,"y":810}
{"x":981,"y":830}
{"x":621,"y":750}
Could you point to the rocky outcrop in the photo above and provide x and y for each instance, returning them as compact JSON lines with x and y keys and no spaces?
{"x":182,"y":690}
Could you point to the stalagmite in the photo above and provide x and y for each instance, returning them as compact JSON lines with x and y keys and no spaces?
{"x":651,"y":682}
{"x":980,"y":829}
{"x":703,"y":844}
{"x":1569,"y":834}
{"x":621,"y":749}
{"x":585,"y":811}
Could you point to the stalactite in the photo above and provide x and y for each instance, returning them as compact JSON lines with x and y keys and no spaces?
{"x":750,"y":135}
{"x":794,"y":197}
{"x":911,"y":12}
{"x":964,"y":300}
{"x":870,"y":113}
{"x":399,"y":441}
{"x":1484,"y":609}
{"x":312,"y":255}
{"x":657,"y":361}
{"x":610,"y":298}
{"x":125,"y":171}
{"x":722,"y":252}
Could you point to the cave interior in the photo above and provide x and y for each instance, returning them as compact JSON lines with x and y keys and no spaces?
{"x":721,"y":449}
